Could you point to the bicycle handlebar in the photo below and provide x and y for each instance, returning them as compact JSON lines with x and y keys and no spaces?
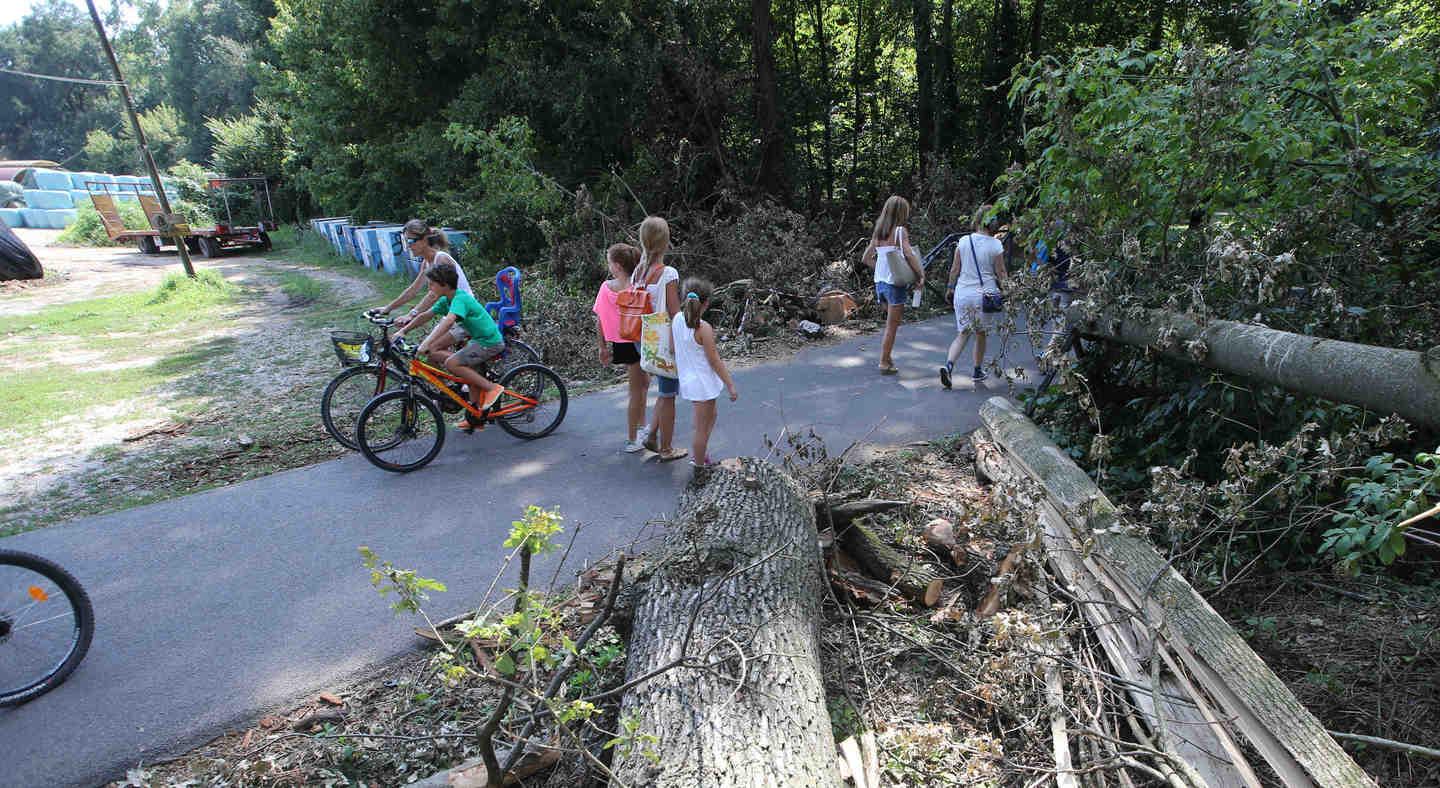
{"x":378,"y":318}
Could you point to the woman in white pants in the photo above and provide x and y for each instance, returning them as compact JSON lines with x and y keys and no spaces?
{"x":978,"y":269}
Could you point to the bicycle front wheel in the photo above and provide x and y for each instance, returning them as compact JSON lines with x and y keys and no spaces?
{"x":347,"y":394}
{"x":46,"y":623}
{"x":400,"y":431}
{"x":537,"y":384}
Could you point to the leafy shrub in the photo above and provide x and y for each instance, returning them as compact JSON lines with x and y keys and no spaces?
{"x":89,"y":230}
{"x":164,"y":133}
{"x":250,"y":145}
{"x":206,"y":287}
{"x":1391,"y":491}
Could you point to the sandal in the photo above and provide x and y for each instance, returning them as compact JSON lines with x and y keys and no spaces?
{"x":706,"y":463}
{"x":491,"y":397}
{"x":890,"y":369}
{"x":674,"y":454}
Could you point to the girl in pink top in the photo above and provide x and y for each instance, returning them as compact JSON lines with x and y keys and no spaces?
{"x":622,"y":260}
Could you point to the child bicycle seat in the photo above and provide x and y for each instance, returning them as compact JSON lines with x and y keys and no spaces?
{"x":506,"y":311}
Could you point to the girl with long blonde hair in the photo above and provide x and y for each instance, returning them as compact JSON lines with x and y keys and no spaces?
{"x":897,"y":268}
{"x":663,"y":282}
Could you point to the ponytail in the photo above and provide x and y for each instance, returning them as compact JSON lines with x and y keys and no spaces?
{"x":697,"y":295}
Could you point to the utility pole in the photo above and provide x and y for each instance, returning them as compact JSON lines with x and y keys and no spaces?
{"x":140,"y":137}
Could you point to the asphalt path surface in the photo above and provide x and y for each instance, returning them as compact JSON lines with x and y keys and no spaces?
{"x":219,"y":607}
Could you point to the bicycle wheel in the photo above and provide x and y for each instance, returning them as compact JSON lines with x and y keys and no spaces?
{"x":399,"y":431}
{"x":46,"y":623}
{"x":539,"y":383}
{"x":345,"y":395}
{"x":516,"y":354}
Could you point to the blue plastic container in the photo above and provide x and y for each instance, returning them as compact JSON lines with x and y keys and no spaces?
{"x":48,"y":199}
{"x":61,"y":218}
{"x":13,"y":217}
{"x":79,"y":197}
{"x":391,"y":245}
{"x":352,"y":241}
{"x":329,"y":230}
{"x":79,"y":179}
{"x":36,"y":217}
{"x":373,"y":238}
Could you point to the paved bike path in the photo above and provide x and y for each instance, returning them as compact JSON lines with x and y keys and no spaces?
{"x":215,"y":608}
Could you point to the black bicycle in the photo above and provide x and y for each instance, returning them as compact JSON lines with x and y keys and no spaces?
{"x":46,"y":623}
{"x":374,"y":364}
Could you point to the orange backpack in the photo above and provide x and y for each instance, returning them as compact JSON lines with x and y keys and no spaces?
{"x":634,"y":304}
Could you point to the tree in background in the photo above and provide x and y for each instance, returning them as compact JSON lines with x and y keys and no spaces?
{"x":45,"y":119}
{"x":164,"y":130}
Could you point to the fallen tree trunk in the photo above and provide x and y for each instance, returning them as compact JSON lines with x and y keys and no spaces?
{"x":726,"y":629}
{"x":1114,"y":571}
{"x":1384,"y":380}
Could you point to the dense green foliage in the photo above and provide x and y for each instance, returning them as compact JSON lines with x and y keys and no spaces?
{"x":1287,"y":181}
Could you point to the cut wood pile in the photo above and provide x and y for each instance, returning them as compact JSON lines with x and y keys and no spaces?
{"x":745,"y":307}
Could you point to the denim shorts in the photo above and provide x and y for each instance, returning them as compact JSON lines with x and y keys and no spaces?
{"x":669,"y":387}
{"x":891,"y":295}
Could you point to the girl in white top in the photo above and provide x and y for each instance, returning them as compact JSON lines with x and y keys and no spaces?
{"x":978,"y":268}
{"x":703,"y":374}
{"x":664,"y":297}
{"x":430,"y":245}
{"x":897,"y":268}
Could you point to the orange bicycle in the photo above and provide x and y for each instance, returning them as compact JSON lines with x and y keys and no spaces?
{"x":403,"y":429}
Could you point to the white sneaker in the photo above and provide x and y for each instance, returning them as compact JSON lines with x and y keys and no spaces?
{"x":638,"y":444}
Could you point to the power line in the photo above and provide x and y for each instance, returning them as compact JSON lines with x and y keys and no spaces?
{"x":106,"y":83}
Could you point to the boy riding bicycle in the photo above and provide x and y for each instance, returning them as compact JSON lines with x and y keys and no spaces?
{"x":457,"y":306}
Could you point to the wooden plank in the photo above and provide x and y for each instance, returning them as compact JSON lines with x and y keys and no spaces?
{"x":1287,"y":734}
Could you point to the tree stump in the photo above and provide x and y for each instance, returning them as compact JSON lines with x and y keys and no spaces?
{"x":736,"y":592}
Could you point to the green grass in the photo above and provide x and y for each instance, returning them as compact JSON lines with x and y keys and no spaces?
{"x":303,"y":289}
{"x":178,"y":299}
{"x":309,"y":248}
{"x":119,"y":328}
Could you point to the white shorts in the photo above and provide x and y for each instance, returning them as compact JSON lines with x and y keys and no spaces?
{"x":969,"y":314}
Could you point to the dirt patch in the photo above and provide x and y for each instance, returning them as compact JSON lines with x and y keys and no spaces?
{"x":1362,"y":654}
{"x":255,"y":372}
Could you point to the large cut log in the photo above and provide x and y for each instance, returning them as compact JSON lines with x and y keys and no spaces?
{"x":1384,"y":380}
{"x":1145,"y":585}
{"x":735,"y":593}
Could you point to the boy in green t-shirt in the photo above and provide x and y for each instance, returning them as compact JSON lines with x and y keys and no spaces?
{"x":485,"y":339}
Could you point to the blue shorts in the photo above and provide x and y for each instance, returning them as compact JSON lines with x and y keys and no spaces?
{"x":891,"y":295}
{"x":669,"y":387}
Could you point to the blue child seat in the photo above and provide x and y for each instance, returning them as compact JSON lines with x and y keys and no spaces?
{"x":506,"y":311}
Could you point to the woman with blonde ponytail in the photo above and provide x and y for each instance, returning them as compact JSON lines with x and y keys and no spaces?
{"x":897,"y":269}
{"x":703,"y":374}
